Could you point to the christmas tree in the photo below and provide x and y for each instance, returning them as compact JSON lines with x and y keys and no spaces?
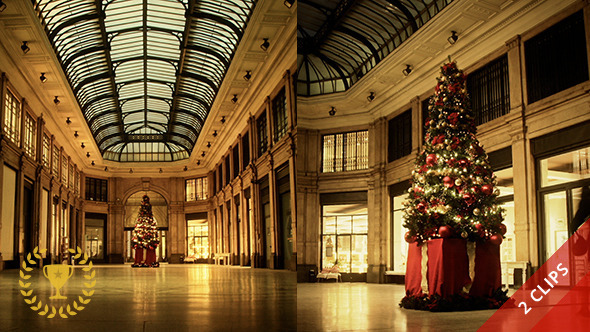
{"x":453,"y":192}
{"x":145,"y":235}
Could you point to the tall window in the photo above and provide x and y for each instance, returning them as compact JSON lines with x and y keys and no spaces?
{"x":198,"y":238}
{"x":245,"y":150}
{"x":400,"y":136}
{"x":344,"y":237}
{"x":346,"y":151}
{"x":64,"y":169}
{"x":71,"y":177}
{"x":556,"y":59}
{"x":55,"y":161}
{"x":196,"y":189}
{"x":220,"y":175}
{"x":262,"y":134}
{"x":77,"y":183}
{"x":490,"y":91}
{"x":236,"y":160}
{"x":46,"y":151}
{"x":279,"y":112}
{"x":12,"y":117}
{"x":96,"y":189}
{"x":226,"y":170}
{"x":30,"y":135}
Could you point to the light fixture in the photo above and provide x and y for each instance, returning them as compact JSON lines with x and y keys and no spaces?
{"x":161,"y":171}
{"x":453,"y":38}
{"x":25,"y":47}
{"x":185,"y":168}
{"x":408,"y":70}
{"x":68,"y":121}
{"x":92,"y":163}
{"x":289,"y":3}
{"x":223,"y":119}
{"x":248,"y":75}
{"x":2,"y":6}
{"x":208,"y":144}
{"x":371,"y":96}
{"x":332,"y":111}
{"x":43,"y":78}
{"x":264,"y":46}
{"x":203,"y":154}
{"x":131,"y":171}
{"x":87,"y":154}
{"x":76,"y":134}
{"x":106,"y":168}
{"x":234,"y":99}
{"x":214,"y":133}
{"x":82,"y":145}
{"x":56,"y":100}
{"x":198,"y":162}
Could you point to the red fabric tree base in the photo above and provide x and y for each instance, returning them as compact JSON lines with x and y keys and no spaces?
{"x":448,"y":273}
{"x":149,"y":260}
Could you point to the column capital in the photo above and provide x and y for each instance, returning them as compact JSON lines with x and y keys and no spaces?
{"x":513,"y":42}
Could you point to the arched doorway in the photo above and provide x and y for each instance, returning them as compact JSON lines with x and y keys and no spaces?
{"x":160,"y":211}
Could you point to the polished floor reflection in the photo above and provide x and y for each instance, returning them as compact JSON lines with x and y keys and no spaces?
{"x":171,"y":298}
{"x":363,"y":307}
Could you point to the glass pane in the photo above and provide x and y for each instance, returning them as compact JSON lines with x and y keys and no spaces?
{"x":360,"y":224}
{"x":566,"y":167}
{"x":344,"y":252}
{"x":555,"y":224}
{"x":359,"y":254}
{"x":328,"y":251}
{"x":505,"y":180}
{"x":400,"y":246}
{"x":344,"y":225}
{"x":329,"y":225}
{"x":580,"y":213}
{"x":507,"y":248}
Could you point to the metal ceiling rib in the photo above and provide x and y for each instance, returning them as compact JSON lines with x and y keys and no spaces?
{"x":340,"y":41}
{"x":145,"y":73}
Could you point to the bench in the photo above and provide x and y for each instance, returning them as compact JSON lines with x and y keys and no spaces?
{"x":221,"y":256}
{"x":333,"y":273}
{"x":508,"y":270}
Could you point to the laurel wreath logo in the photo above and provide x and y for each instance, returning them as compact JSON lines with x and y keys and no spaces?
{"x":31,"y":298}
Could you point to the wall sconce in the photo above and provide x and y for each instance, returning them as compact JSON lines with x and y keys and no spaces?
{"x":76,"y":134}
{"x":289,"y":3}
{"x":87,"y":154}
{"x":43,"y":78}
{"x":453,"y":38}
{"x":92,"y":163}
{"x":25,"y":47}
{"x":161,"y":171}
{"x":82,"y":145}
{"x":131,"y":171}
{"x":198,"y":162}
{"x":185,"y":168}
{"x":68,"y":121}
{"x":203,"y":154}
{"x":214,"y":133}
{"x":408,"y":70}
{"x":2,"y":6}
{"x":223,"y":119}
{"x":56,"y":100}
{"x":208,"y":144}
{"x":106,"y":169}
{"x":234,"y":99}
{"x":264,"y":46}
{"x":371,"y":96}
{"x":332,"y":111}
{"x":248,"y":75}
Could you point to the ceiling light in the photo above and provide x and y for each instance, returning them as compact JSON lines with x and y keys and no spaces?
{"x":234,"y":99}
{"x":185,"y":168}
{"x":87,"y":154}
{"x":264,"y":46}
{"x":76,"y":134}
{"x":198,"y":162}
{"x":203,"y":154}
{"x":68,"y":121}
{"x":43,"y":78}
{"x":289,"y":3}
{"x":56,"y":100}
{"x":214,"y":133}
{"x":453,"y":38}
{"x":407,"y":71}
{"x":25,"y":47}
{"x":223,"y":119}
{"x":208,"y":144}
{"x":371,"y":97}
{"x":106,"y":168}
{"x":2,"y":6}
{"x":92,"y":163}
{"x":332,"y":111}
{"x":131,"y":171}
{"x":161,"y":171}
{"x":248,"y":75}
{"x":82,"y":145}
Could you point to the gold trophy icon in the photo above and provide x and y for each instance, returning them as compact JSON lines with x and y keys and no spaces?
{"x":58,"y":274}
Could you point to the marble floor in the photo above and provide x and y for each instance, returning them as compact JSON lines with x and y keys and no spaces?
{"x":373,"y":307}
{"x":175,"y":298}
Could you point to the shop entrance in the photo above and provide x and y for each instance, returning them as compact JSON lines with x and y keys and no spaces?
{"x":160,"y":214}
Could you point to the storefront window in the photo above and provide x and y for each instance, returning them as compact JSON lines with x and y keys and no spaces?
{"x":505,"y":184}
{"x":344,"y":237}
{"x":198,"y":238}
{"x":566,"y":167}
{"x":399,"y":252}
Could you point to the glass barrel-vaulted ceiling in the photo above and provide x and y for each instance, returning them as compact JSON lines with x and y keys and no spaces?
{"x":340,"y":41}
{"x":145,"y":72}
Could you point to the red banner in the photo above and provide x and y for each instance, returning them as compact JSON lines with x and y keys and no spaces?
{"x":556,"y":297}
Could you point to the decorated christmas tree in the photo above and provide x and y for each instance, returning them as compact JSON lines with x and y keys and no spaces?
{"x":145,"y":235}
{"x":453,"y":192}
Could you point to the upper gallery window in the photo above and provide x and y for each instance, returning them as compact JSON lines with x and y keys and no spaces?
{"x":279,"y":112}
{"x":196,"y":189}
{"x":46,"y":151}
{"x":400,"y":136}
{"x":12,"y":111}
{"x":489,"y":90}
{"x":96,"y":189}
{"x":30,"y":135}
{"x":262,"y":134}
{"x":346,"y":151}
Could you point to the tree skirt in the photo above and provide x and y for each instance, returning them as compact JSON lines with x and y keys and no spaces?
{"x":453,"y":275}
{"x":150,"y":258}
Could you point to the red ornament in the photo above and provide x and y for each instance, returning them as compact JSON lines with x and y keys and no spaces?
{"x":431,"y":159}
{"x":502,"y":228}
{"x":448,"y":181}
{"x":418,"y":190}
{"x":487,"y":189}
{"x":479,"y":227}
{"x":496,"y":239}
{"x":445,"y":231}
{"x":462,"y":162}
{"x":469,"y":199}
{"x":422,"y":207}
{"x":409,"y":238}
